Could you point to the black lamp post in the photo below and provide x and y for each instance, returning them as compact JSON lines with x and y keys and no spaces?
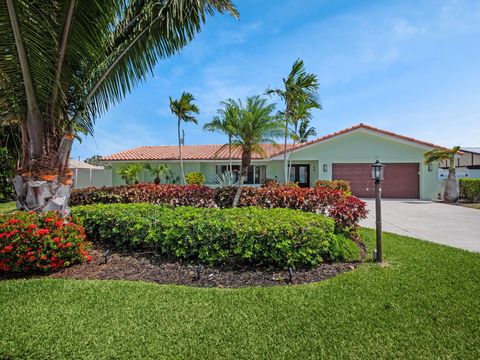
{"x":377,"y":175}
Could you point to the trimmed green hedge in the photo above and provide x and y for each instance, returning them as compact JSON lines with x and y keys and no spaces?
{"x":241,"y":236}
{"x":470,"y":189}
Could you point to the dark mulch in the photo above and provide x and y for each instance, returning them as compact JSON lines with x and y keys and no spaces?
{"x":148,"y":267}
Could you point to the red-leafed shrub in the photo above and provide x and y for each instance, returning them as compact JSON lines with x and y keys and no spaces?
{"x":40,"y":242}
{"x":168,"y":194}
{"x":347,"y":210}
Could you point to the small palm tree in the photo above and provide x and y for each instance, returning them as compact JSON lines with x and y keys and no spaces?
{"x":255,"y":125}
{"x":299,"y":87}
{"x":301,"y":115}
{"x":451,"y":192}
{"x":183,"y":109}
{"x":130,"y":173}
{"x":222,"y":123}
{"x":305,"y":131}
{"x":158,"y":171}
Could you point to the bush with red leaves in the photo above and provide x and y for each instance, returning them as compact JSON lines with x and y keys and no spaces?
{"x":347,"y":210}
{"x":40,"y":242}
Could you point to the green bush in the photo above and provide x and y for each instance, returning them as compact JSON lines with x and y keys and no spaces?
{"x":241,"y":236}
{"x":470,"y":189}
{"x":195,"y":178}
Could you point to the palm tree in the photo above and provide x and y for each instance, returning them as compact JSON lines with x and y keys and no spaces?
{"x":305,"y":131}
{"x":298,"y":87}
{"x":183,"y":109}
{"x":130,"y":173}
{"x":301,"y":114}
{"x":64,"y":63}
{"x":158,"y":171}
{"x":255,"y":125}
{"x":222,"y":123}
{"x":451,"y":192}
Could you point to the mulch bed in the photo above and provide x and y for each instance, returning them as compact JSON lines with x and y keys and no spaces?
{"x":148,"y":267}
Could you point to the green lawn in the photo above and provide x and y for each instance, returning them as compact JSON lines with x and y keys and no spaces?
{"x":7,"y":207}
{"x":425,"y":304}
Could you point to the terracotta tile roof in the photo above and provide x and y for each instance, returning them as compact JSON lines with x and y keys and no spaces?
{"x":189,"y":152}
{"x":220,"y":152}
{"x":366,"y":127}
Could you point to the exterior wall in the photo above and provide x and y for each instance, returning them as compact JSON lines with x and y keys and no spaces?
{"x":91,"y":177}
{"x":364,"y":146}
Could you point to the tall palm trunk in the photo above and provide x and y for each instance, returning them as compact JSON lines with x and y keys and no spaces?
{"x":285,"y":160}
{"x":180,"y":153}
{"x":246,"y":160}
{"x":230,"y":153}
{"x":452,"y":192}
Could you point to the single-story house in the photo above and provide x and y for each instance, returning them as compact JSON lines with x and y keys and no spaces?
{"x":347,"y":155}
{"x":86,"y":175}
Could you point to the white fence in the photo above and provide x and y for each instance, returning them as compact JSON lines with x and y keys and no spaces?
{"x":83,"y":178}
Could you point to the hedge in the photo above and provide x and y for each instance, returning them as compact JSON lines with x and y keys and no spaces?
{"x":345,"y":209}
{"x":470,"y":189}
{"x":40,"y":242}
{"x":242,"y":236}
{"x":343,"y":185}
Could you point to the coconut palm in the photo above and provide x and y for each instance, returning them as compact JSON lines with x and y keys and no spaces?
{"x":130,"y":173}
{"x":451,"y":192}
{"x":158,"y":171}
{"x":222,"y":123}
{"x":183,"y":109}
{"x":255,"y":125}
{"x":299,"y":87}
{"x":64,"y":63}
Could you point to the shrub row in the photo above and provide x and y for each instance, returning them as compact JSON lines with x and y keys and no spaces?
{"x":470,"y":189}
{"x":347,"y":210}
{"x":41,"y":242}
{"x":241,"y":236}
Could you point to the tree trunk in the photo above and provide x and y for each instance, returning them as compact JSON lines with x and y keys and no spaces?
{"x":451,"y":193}
{"x":290,"y":163}
{"x":230,"y":153}
{"x":180,"y":154}
{"x":285,"y":160}
{"x":246,"y":160}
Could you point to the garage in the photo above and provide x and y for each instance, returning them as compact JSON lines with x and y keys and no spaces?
{"x":401,"y":180}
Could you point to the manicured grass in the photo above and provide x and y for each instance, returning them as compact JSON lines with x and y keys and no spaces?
{"x":423,"y":305}
{"x":7,"y":207}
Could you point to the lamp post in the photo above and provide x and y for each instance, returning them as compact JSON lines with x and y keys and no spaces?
{"x":377,"y":175}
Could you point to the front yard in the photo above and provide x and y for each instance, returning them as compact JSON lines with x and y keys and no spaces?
{"x":423,"y":304}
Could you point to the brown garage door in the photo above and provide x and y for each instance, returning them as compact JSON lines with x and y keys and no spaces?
{"x":401,"y":180}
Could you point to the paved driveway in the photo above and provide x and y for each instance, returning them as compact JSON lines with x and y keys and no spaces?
{"x":440,"y":223}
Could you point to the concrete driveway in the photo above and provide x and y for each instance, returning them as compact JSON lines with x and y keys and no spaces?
{"x":451,"y":225}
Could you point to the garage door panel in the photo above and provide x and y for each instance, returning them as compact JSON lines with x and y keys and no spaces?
{"x":401,"y":180}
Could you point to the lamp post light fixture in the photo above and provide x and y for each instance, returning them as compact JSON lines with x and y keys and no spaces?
{"x":377,"y":175}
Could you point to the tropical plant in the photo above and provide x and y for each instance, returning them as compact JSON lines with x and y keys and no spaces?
{"x":130,"y":173}
{"x":158,"y":171}
{"x":222,"y":123}
{"x":64,"y":63}
{"x":451,"y":192}
{"x":6,"y":170}
{"x":300,"y":120}
{"x":255,"y":125}
{"x":299,"y":88}
{"x":195,"y":178}
{"x":227,"y":178}
{"x":183,"y":109}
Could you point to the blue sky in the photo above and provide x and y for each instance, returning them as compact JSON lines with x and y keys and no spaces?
{"x":406,"y":66}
